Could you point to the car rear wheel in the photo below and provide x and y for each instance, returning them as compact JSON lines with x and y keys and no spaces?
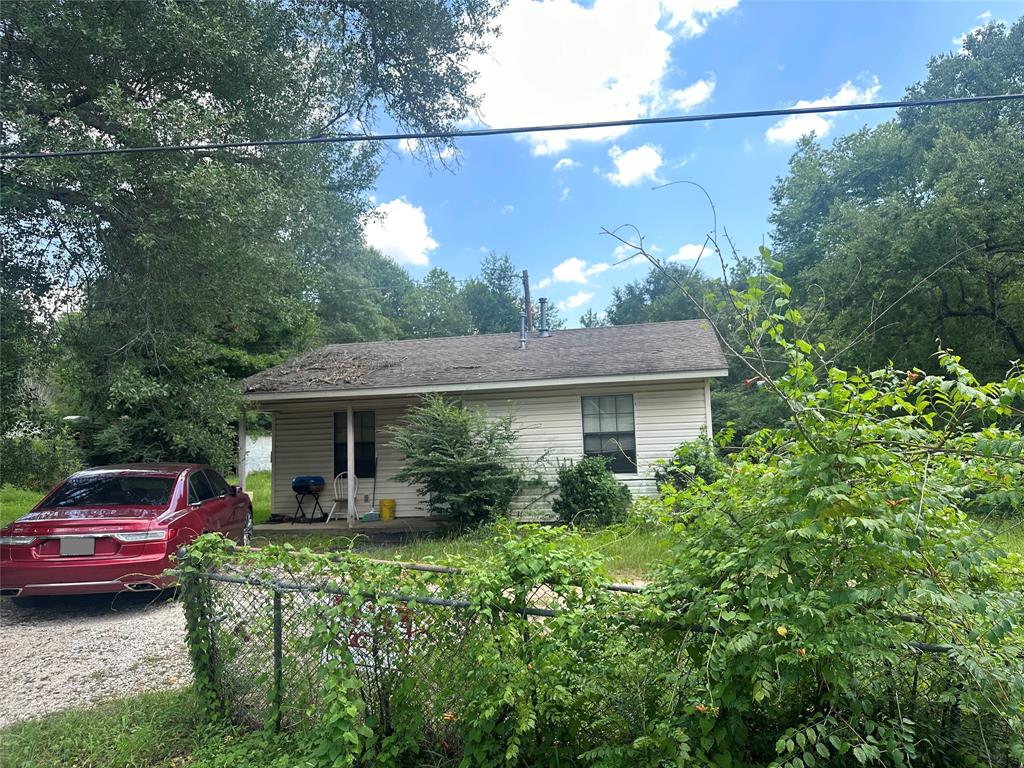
{"x":247,"y":529}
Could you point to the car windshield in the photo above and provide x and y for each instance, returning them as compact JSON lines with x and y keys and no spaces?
{"x":101,"y":490}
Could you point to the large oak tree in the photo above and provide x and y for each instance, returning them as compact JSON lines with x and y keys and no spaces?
{"x":176,"y":272}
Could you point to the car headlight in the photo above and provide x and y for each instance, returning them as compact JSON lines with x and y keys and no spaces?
{"x":134,"y":536}
{"x":8,"y":541}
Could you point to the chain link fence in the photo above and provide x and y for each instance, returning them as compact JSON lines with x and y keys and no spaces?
{"x":407,"y":641}
{"x":269,"y":635}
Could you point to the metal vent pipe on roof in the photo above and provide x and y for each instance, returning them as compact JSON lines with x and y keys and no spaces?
{"x":544,"y":331}
{"x":522,"y":330}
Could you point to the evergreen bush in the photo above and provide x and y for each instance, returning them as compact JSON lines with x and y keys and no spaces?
{"x":589,"y":494}
{"x":461,"y":461}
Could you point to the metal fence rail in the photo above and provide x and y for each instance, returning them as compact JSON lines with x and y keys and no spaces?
{"x":411,"y":642}
{"x":261,"y":634}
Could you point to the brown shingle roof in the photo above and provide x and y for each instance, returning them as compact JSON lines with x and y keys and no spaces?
{"x":681,"y":346}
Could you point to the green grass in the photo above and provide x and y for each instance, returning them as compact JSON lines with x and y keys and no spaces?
{"x":630,"y":552}
{"x":257,"y":485}
{"x":15,"y":502}
{"x":151,"y":730}
{"x":145,"y":731}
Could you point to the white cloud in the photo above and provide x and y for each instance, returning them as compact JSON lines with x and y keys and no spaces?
{"x":634,"y":165}
{"x":985,"y":17}
{"x":410,"y":146}
{"x":573,"y":270}
{"x":693,"y":95}
{"x":626,"y":256}
{"x":693,"y":16}
{"x":564,"y":196}
{"x":576,"y":300}
{"x":688,"y":252}
{"x":791,"y":128}
{"x":399,"y":230}
{"x":558,"y":61}
{"x":565,"y":164}
{"x":508,"y":210}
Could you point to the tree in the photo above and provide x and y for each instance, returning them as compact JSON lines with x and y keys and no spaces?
{"x":494,"y":299}
{"x":437,"y":308}
{"x":592,"y":319}
{"x":175,"y":261}
{"x":363,"y":297}
{"x":914,"y":230}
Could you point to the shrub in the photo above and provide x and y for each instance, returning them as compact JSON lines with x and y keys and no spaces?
{"x":461,"y":461}
{"x":40,"y":458}
{"x":589,"y":494}
{"x":848,"y":611}
{"x":691,"y":459}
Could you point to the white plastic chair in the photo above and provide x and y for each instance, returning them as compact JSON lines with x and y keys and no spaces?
{"x":341,"y":494}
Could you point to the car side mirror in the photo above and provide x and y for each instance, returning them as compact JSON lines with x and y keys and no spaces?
{"x":233,"y":490}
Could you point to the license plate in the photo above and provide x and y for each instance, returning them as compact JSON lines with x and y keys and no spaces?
{"x":73,"y":546}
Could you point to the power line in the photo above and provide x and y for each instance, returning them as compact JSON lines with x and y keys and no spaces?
{"x":380,"y":137}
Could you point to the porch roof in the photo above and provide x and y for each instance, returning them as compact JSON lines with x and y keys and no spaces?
{"x":682,"y":349}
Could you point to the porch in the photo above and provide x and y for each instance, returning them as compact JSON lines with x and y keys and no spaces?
{"x":376,"y":532}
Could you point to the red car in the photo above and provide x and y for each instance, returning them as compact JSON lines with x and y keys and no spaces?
{"x":117,"y":528}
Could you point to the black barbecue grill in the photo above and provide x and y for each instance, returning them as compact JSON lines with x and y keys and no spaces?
{"x":311,"y":486}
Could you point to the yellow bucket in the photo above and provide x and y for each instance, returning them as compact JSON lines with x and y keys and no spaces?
{"x":387,"y":509}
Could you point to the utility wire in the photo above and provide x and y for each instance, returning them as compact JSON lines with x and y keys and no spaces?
{"x":361,"y":137}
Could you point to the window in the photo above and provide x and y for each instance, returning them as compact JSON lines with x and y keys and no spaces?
{"x":608,"y":430}
{"x":199,"y":489}
{"x":218,"y":483}
{"x":364,"y":425}
{"x":103,"y":489}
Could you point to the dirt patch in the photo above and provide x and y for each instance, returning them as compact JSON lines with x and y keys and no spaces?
{"x":63,"y":652}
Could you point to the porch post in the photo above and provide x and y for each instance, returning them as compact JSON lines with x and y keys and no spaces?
{"x":350,"y":452}
{"x":241,"y":449}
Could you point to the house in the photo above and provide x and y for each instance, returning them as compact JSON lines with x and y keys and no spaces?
{"x":632,"y":392}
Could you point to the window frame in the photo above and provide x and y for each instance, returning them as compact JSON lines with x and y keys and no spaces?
{"x":623,"y":454}
{"x":342,"y":446}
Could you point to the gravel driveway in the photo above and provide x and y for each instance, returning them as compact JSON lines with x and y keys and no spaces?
{"x":62,"y":652}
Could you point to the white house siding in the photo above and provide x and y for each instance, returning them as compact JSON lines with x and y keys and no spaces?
{"x":550,"y":426}
{"x":304,"y":445}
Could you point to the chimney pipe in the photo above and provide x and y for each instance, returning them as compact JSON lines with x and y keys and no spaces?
{"x":544,"y":331}
{"x":522,"y":330}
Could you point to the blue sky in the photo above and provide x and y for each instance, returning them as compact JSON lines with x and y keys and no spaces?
{"x":545,"y":198}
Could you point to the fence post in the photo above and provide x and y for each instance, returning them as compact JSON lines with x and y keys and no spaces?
{"x":278,"y":651}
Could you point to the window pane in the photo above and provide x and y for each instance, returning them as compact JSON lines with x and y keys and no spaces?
{"x":591,"y":423}
{"x":98,"y":490}
{"x":220,"y":487}
{"x":624,"y":463}
{"x":624,"y":404}
{"x":340,"y":426}
{"x":608,"y":423}
{"x":589,"y":406}
{"x":199,"y":488}
{"x":624,"y":422}
{"x":625,"y":441}
{"x":592,"y":444}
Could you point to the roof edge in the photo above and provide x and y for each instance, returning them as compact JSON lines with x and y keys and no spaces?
{"x":484,"y":386}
